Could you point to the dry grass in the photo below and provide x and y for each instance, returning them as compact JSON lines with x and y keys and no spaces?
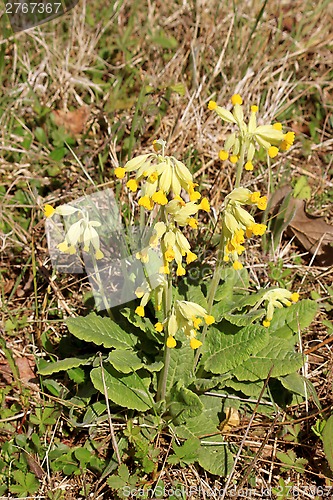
{"x":280,"y":58}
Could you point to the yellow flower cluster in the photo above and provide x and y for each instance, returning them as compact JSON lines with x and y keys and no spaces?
{"x":81,"y":231}
{"x":145,"y":293}
{"x":157,"y":175}
{"x":249,"y":136}
{"x":188,"y":317}
{"x":277,"y":297}
{"x":174,"y":244}
{"x":238,"y":223}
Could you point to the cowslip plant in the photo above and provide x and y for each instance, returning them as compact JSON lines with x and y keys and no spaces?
{"x":164,"y":353}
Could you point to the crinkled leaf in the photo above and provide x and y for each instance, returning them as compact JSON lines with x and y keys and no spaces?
{"x":294,"y":382}
{"x":216,"y":458}
{"x":130,"y":391}
{"x":183,"y":404}
{"x":125,"y":361}
{"x":244,"y":319}
{"x":64,"y":364}
{"x":278,"y":353}
{"x":100,"y":331}
{"x":181,"y":365}
{"x":222,"y":352}
{"x":250,"y":389}
{"x":204,"y":424}
{"x":288,"y":320}
{"x":194,"y":294}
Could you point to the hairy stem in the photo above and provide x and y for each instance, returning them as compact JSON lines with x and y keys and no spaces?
{"x":211,"y":294}
{"x":240,"y":165}
{"x":167,"y":304}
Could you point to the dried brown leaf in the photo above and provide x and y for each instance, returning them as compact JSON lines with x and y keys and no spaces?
{"x":73,"y":121}
{"x":313,"y":233}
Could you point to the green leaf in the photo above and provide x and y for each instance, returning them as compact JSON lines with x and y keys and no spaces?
{"x":26,"y":484}
{"x":179,"y":88}
{"x":216,"y":459}
{"x":327,"y":437}
{"x":185,"y":454}
{"x":278,"y":354}
{"x":250,"y":389}
{"x":115,"y":482}
{"x":58,"y":154}
{"x":100,"y":331}
{"x":244,"y":319}
{"x":294,"y":382}
{"x":183,"y":403}
{"x":77,"y":375}
{"x":204,"y":424}
{"x":194,"y":294}
{"x":288,"y":320}
{"x":83,"y":455}
{"x":130,"y":391}
{"x":125,"y":361}
{"x":40,"y":135}
{"x":302,"y":189}
{"x":222,"y":352}
{"x":181,"y":365}
{"x":64,"y":365}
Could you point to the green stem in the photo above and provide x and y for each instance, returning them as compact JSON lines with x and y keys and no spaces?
{"x":219,"y":263}
{"x":167,"y":304}
{"x":161,"y":391}
{"x":265,"y":214}
{"x":212,"y":291}
{"x":240,"y":165}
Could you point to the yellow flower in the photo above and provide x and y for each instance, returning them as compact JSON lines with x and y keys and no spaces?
{"x":209,"y":320}
{"x":277,"y":126}
{"x":159,"y":327}
{"x":254,"y":109}
{"x":266,"y":323}
{"x":169,"y":254}
{"x":180,"y":271}
{"x":194,"y":195}
{"x":48,"y":210}
{"x":193,"y":223}
{"x":99,"y":254}
{"x":140,"y":311}
{"x":160,"y":198}
{"x":190,"y":257}
{"x":164,"y":269}
{"x":237,"y":265}
{"x":288,"y":141}
{"x":236,"y":99}
{"x":223,"y":155}
{"x":132,"y":185}
{"x":273,"y":151}
{"x":262,"y":203}
{"x":63,"y":247}
{"x":258,"y":229}
{"x":195,"y":343}
{"x":254,"y":197}
{"x":212,"y":105}
{"x":233,"y":158}
{"x":196,"y":322}
{"x":119,"y":172}
{"x":248,"y":166}
{"x":294,"y":297}
{"x":146,"y":202}
{"x":204,"y":205}
{"x":171,"y":343}
{"x":153,"y":177}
